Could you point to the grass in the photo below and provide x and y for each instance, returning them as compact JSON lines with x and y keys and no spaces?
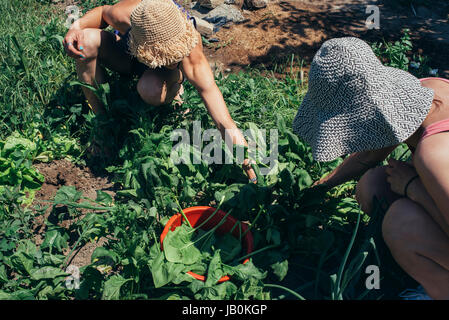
{"x":328,"y":242}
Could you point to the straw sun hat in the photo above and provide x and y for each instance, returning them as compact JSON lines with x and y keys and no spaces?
{"x":354,"y":103}
{"x":161,"y":34}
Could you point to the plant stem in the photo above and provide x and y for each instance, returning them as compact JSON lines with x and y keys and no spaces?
{"x":286,"y":289}
{"x":337,"y":291}
{"x":258,"y":251}
{"x":254,"y":221}
{"x":210,"y":217}
{"x":73,"y":249}
{"x":304,"y":286}
{"x":182,"y":212}
{"x":214,"y":228}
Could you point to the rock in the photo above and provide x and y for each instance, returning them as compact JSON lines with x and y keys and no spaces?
{"x":203,"y":27}
{"x":223,"y":14}
{"x":198,"y":11}
{"x":237,"y":3}
{"x":256,"y":4}
{"x":211,"y":4}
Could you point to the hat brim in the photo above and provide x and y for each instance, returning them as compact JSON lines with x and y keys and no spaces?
{"x":386,"y":115}
{"x":165,"y":53}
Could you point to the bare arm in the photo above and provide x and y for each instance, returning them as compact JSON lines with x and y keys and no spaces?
{"x":354,"y":166}
{"x":432,"y":189}
{"x":418,"y":193}
{"x":117,"y":16}
{"x":92,"y":19}
{"x":197,"y":70}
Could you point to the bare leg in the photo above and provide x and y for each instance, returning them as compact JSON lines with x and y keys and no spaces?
{"x":159,"y":86}
{"x":156,"y":86}
{"x":90,"y":72}
{"x":374,"y":184}
{"x":419,"y":245}
{"x":100,"y":47}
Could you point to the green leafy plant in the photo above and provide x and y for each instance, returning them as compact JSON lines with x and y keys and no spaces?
{"x":309,"y":242}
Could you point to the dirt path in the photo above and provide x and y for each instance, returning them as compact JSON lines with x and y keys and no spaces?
{"x":299,"y":27}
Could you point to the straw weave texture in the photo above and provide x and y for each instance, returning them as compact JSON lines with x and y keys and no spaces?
{"x":354,"y":103}
{"x":160,"y":34}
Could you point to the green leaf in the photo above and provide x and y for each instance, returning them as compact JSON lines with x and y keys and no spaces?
{"x":280,"y":269}
{"x":287,"y":181}
{"x":179,"y":247}
{"x":214,"y":271}
{"x":131,"y":193}
{"x":14,"y":141}
{"x":55,"y":237}
{"x":67,"y":194}
{"x":6,"y":296}
{"x":164,"y":272}
{"x":247,"y":271}
{"x":103,"y":197}
{"x":47,"y":272}
{"x":229,"y":247}
{"x":21,"y":294}
{"x":252,"y":288}
{"x":3,"y":275}
{"x":304,"y":179}
{"x":105,"y":255}
{"x":22,"y":262}
{"x":112,"y":287}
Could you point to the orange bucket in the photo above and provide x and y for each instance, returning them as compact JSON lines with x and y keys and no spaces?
{"x":196,"y":216}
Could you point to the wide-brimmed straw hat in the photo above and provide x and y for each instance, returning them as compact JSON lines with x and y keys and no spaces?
{"x":354,"y":103}
{"x":161,"y":34}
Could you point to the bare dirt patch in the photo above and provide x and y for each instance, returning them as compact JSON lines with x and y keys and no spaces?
{"x":272,"y":34}
{"x":64,"y":173}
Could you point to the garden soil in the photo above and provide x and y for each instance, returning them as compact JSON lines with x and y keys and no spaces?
{"x":271,"y":35}
{"x":60,"y":173}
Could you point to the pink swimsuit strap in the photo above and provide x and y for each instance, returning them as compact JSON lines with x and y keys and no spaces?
{"x":437,"y":127}
{"x":434,"y":128}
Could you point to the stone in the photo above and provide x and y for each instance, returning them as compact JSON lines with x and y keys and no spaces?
{"x":256,"y":4}
{"x":198,"y":11}
{"x":223,"y":14}
{"x":211,"y":4}
{"x":237,"y":3}
{"x":203,"y":27}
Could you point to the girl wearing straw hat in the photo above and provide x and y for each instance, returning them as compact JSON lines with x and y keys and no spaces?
{"x":356,"y":106}
{"x":157,"y":41}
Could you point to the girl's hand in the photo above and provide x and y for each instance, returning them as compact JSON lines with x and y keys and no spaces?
{"x":399,"y":174}
{"x":73,"y":44}
{"x":249,"y":171}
